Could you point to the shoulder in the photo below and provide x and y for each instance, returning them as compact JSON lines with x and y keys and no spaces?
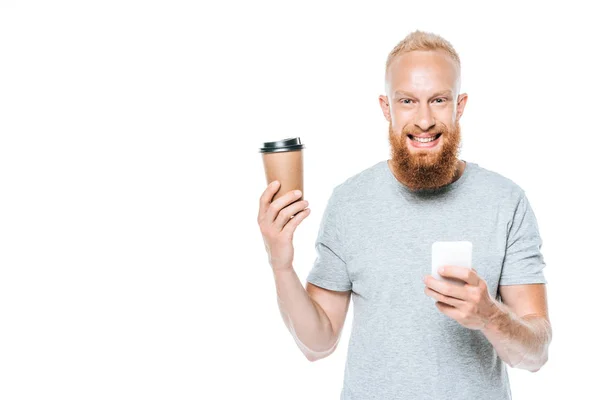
{"x":492,"y":183}
{"x":360,"y":182}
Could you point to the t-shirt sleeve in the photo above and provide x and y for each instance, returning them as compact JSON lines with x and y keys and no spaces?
{"x":329,"y":269}
{"x":523,"y":261}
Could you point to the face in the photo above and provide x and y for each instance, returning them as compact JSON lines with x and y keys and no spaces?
{"x":422,"y":100}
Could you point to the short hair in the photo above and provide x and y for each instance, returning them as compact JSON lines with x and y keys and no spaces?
{"x":420,"y":40}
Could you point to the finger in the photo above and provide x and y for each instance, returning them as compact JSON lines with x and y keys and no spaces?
{"x":285,"y":200}
{"x":446,"y":288}
{"x":448,"y":310}
{"x":265,"y":199}
{"x":288,"y":212}
{"x":465,"y":274}
{"x":276,"y":205}
{"x":443,"y":298}
{"x":293,"y":222}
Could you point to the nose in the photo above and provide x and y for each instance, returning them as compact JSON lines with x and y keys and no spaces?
{"x":424,"y":119}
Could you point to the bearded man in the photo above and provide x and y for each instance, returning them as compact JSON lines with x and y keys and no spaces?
{"x":415,"y":336}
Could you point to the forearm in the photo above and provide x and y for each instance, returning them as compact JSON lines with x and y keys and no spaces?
{"x":305,"y":319}
{"x":521,"y":342}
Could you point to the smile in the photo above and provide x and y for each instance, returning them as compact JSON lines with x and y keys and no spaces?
{"x":424,"y":142}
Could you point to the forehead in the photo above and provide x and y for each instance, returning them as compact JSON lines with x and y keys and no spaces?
{"x":423,"y":71}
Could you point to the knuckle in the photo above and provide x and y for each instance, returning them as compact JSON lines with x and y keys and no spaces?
{"x":273,"y":209}
{"x":286,"y":213}
{"x":473,"y":291}
{"x":265,"y":196}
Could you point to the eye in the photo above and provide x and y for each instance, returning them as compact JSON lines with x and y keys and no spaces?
{"x":403,"y":101}
{"x":439,"y":102}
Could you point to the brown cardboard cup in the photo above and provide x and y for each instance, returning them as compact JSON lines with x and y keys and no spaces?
{"x":283,"y":162}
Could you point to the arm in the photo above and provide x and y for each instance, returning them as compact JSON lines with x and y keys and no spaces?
{"x":520,"y":329}
{"x":314,"y":316}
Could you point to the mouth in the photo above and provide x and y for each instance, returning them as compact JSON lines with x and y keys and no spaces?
{"x":424,"y":143}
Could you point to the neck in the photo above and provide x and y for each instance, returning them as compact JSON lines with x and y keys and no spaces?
{"x":460,"y":168}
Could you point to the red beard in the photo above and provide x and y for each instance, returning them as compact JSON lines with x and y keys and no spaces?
{"x":425,"y":168}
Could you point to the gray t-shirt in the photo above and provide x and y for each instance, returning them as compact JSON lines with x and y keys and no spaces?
{"x":375,"y":239}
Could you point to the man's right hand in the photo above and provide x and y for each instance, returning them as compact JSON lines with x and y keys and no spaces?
{"x":278,"y":220}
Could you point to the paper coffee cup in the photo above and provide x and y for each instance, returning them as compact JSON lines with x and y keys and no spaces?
{"x":283,"y":162}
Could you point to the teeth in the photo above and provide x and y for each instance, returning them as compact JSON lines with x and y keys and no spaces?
{"x":424,"y":140}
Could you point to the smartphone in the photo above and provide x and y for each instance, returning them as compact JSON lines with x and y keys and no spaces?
{"x":451,"y":253}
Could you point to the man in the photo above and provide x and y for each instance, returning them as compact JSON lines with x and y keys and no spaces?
{"x":414,"y":336}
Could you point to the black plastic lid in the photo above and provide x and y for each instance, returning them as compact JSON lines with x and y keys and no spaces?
{"x":288,"y":144}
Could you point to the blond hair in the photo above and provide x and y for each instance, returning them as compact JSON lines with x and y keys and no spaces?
{"x":420,"y":40}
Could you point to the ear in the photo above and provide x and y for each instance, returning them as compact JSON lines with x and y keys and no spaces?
{"x":460,"y":106}
{"x":385,"y":107}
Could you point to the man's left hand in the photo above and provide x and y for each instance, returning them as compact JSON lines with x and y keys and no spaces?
{"x":470,"y":305}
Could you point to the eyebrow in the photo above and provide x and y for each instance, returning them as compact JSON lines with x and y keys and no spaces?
{"x":399,"y":93}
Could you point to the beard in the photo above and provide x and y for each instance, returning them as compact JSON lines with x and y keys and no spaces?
{"x":420,"y":169}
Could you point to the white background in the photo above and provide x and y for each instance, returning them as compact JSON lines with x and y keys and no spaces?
{"x":131,"y":262}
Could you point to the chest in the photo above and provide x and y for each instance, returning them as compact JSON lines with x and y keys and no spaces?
{"x":389,"y":252}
